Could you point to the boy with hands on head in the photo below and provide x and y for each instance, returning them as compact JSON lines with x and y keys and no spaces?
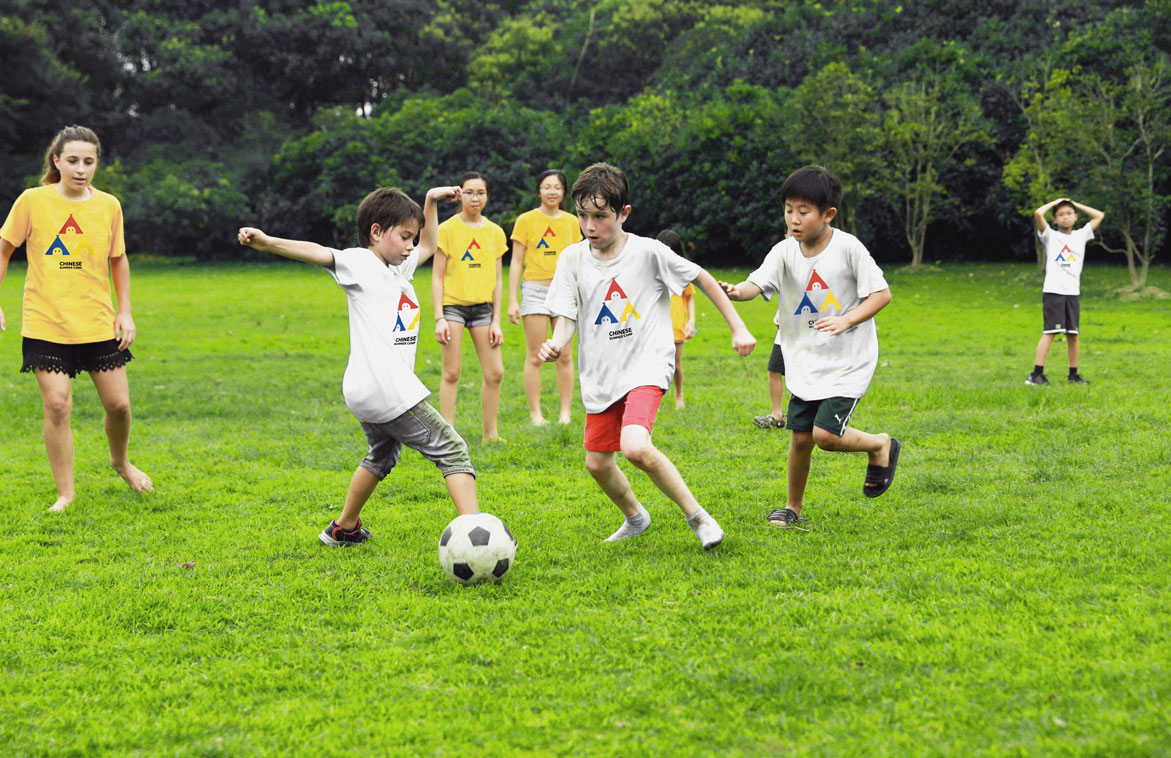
{"x":829,"y":289}
{"x":1065,"y":252}
{"x":614,"y":289}
{"x":380,"y":386}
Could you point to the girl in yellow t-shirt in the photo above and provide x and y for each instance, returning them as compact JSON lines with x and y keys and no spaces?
{"x":682,"y":315}
{"x":74,"y":243}
{"x":538,"y":238}
{"x":467,"y":289}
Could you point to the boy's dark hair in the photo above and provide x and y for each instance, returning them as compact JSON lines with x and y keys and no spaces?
{"x":1064,"y":203}
{"x":388,"y":207}
{"x":604,"y":181}
{"x":553,"y":172}
{"x":672,"y":240}
{"x":468,"y":176}
{"x":813,"y":184}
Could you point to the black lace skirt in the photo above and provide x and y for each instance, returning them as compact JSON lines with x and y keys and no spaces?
{"x":42,"y":355}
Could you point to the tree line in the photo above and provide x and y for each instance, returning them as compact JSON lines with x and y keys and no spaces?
{"x":948,"y":121}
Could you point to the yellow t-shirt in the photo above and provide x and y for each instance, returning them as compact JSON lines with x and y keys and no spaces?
{"x":679,"y":312}
{"x":70,"y":243}
{"x":544,"y":238}
{"x":470,"y":273}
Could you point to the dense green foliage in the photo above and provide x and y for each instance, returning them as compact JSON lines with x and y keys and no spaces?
{"x":1008,"y":596}
{"x":948,"y":121}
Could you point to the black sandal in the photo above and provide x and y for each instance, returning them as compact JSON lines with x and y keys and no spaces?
{"x":879,"y":478}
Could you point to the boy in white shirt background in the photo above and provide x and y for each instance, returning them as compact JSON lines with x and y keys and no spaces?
{"x":1065,"y":253}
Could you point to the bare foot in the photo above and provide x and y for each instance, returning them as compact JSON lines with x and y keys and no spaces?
{"x":882,"y":457}
{"x":564,"y":419}
{"x":61,"y":504}
{"x":679,"y":403}
{"x":494,"y":439}
{"x":538,"y":420}
{"x":135,"y":479}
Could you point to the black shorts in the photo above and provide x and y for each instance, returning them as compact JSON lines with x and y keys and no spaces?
{"x":42,"y":355}
{"x":1060,"y":312}
{"x":831,"y":414}
{"x":776,"y":360}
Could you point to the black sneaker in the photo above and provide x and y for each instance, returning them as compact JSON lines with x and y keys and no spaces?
{"x":334,"y":536}
{"x":785,"y":517}
{"x":1037,"y":380}
{"x":1078,"y":379}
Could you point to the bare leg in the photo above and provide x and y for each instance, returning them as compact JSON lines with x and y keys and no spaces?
{"x":114,"y":392}
{"x":536,"y":330}
{"x":1043,"y":348}
{"x":876,"y":446}
{"x":677,"y":380}
{"x":1073,"y":350}
{"x":462,"y":488}
{"x":565,"y":378}
{"x":638,"y":449}
{"x":362,"y":486}
{"x":492,"y":366}
{"x":800,"y":455}
{"x":603,"y":467}
{"x":449,"y":379}
{"x":57,"y":398}
{"x":776,"y":394}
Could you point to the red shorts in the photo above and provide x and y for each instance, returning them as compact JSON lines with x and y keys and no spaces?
{"x":603,"y":431}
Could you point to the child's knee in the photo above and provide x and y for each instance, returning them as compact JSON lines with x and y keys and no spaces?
{"x":598,"y":463}
{"x":801,"y":441}
{"x":824,"y":439}
{"x":639,"y":452}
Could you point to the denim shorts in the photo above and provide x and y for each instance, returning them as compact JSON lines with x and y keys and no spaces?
{"x":420,"y":428}
{"x":469,"y":315}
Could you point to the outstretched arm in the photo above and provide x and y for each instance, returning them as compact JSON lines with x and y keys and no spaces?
{"x":1095,"y":215}
{"x":742,"y":340}
{"x":745,"y":290}
{"x":873,"y":303}
{"x":298,"y":250}
{"x":1039,"y":214}
{"x":429,"y":234}
{"x":563,"y":331}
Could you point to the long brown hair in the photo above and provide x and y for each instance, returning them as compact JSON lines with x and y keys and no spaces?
{"x":73,"y":133}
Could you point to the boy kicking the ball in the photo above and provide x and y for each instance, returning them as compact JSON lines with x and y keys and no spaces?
{"x":829,"y":290}
{"x":380,"y":386}
{"x":614,"y":289}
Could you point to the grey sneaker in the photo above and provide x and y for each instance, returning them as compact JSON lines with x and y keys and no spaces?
{"x":1078,"y":379}
{"x":1037,"y":380}
{"x":707,"y":530}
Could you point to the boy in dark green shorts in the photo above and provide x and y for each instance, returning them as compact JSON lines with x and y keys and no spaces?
{"x":829,"y":288}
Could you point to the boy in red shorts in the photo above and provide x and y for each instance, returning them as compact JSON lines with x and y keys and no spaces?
{"x":614,"y":289}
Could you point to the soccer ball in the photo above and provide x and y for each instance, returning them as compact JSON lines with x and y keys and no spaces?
{"x":475,"y":548}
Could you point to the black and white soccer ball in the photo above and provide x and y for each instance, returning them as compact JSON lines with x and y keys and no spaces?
{"x":475,"y":548}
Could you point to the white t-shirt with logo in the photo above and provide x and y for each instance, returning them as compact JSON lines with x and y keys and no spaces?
{"x":1064,"y":255}
{"x":832,"y":283}
{"x":380,"y":382}
{"x":622,"y":307}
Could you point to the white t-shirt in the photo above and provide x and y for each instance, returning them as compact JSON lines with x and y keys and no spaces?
{"x":380,"y":382}
{"x":623,"y":312}
{"x":1064,"y":255}
{"x":834,"y":282}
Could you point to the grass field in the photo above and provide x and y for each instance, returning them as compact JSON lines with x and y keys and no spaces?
{"x":1008,"y":596}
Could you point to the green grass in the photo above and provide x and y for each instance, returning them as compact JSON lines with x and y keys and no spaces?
{"x":1009,"y":595}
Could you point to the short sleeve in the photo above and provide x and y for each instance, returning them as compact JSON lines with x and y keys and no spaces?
{"x":675,"y":271}
{"x":409,"y":265}
{"x":117,"y":232}
{"x":1087,"y":232}
{"x":767,"y":276}
{"x":444,"y":239}
{"x":520,"y":230}
{"x":16,"y":227}
{"x":344,"y":267}
{"x":1044,"y":234}
{"x":866,"y":271}
{"x":501,"y":242}
{"x":562,"y":296}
